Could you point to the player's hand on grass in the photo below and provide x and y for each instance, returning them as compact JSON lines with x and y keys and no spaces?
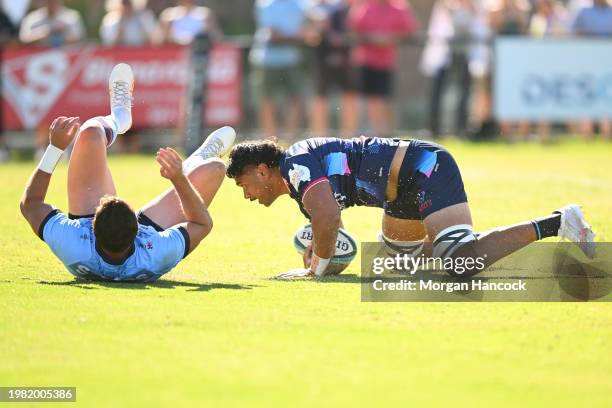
{"x":295,"y":273}
{"x":171,"y":164}
{"x":63,"y":130}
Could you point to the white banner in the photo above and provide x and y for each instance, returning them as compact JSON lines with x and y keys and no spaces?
{"x":552,"y":79}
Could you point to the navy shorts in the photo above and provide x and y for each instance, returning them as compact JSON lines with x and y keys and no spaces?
{"x":144,"y":220}
{"x":429,"y":180}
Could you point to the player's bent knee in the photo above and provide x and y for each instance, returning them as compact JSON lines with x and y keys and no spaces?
{"x":457,"y":247}
{"x":90,"y":132}
{"x":92,"y":123}
{"x":214,"y":167}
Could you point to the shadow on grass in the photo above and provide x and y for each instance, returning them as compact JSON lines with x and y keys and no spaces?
{"x":164,"y":284}
{"x":341,"y":278}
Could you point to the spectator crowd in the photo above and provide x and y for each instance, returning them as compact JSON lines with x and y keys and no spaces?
{"x":347,"y":49}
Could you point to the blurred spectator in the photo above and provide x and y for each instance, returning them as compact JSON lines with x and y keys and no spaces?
{"x":276,"y":56}
{"x":126,"y":24}
{"x":574,"y":6}
{"x":332,"y":68}
{"x":507,"y":18}
{"x":379,"y":25}
{"x":9,"y":35}
{"x":455,"y":44}
{"x":595,"y":21}
{"x":157,"y":6}
{"x":549,"y":19}
{"x":11,"y":14}
{"x":52,"y":25}
{"x":181,"y":24}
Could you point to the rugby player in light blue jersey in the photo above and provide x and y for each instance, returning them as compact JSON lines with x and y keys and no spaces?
{"x":417,"y":183}
{"x":102,"y":237}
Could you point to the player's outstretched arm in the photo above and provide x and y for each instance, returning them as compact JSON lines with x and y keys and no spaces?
{"x":325,"y":217}
{"x":199,"y":222}
{"x":32,"y":204}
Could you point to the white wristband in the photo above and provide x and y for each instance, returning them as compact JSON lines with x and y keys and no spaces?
{"x":318,"y":265}
{"x":50,"y":158}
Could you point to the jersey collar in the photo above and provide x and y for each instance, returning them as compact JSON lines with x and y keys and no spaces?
{"x":106,"y":259}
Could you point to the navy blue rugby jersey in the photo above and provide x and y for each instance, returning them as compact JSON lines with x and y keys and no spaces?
{"x":357,"y":169}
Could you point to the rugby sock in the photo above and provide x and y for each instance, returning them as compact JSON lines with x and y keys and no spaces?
{"x":195,"y":159}
{"x":192,"y":162}
{"x":123,"y":118}
{"x":547,"y":226}
{"x":110,"y":129}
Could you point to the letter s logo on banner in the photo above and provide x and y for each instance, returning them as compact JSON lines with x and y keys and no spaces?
{"x":33,"y":85}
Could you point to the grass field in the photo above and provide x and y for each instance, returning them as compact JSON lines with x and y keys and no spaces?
{"x":217,"y":331}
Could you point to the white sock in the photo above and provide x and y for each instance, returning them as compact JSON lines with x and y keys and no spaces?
{"x":110,"y":123}
{"x":123,"y":119}
{"x":192,"y":162}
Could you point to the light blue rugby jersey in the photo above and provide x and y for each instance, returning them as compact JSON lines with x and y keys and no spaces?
{"x":73,"y":242}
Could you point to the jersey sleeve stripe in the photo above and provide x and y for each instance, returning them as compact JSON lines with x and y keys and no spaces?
{"x":185,"y":235}
{"x":44,"y":222}
{"x":312,"y":184}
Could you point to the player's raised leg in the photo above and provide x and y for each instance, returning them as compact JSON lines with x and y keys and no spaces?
{"x":89,"y":177}
{"x":451,"y":231}
{"x":205,"y":171}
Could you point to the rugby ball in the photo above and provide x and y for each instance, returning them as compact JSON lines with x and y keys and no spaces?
{"x":346,"y":249}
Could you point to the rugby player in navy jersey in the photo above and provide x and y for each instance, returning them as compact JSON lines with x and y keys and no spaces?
{"x":102,"y":237}
{"x":416,"y":183}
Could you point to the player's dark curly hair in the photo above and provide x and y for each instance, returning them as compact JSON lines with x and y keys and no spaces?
{"x":253,"y":153}
{"x":115,"y":224}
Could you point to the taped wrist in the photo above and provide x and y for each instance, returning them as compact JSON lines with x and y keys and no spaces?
{"x":318,"y":264}
{"x":50,"y":159}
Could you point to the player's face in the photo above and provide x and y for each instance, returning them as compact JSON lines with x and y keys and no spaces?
{"x":256,"y":184}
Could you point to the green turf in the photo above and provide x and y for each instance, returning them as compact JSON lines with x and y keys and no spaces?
{"x":217,"y":331}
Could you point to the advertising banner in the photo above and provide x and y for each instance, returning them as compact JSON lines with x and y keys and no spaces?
{"x":40,"y":84}
{"x":552,"y":79}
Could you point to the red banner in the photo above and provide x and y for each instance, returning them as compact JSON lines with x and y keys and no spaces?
{"x":40,"y":84}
